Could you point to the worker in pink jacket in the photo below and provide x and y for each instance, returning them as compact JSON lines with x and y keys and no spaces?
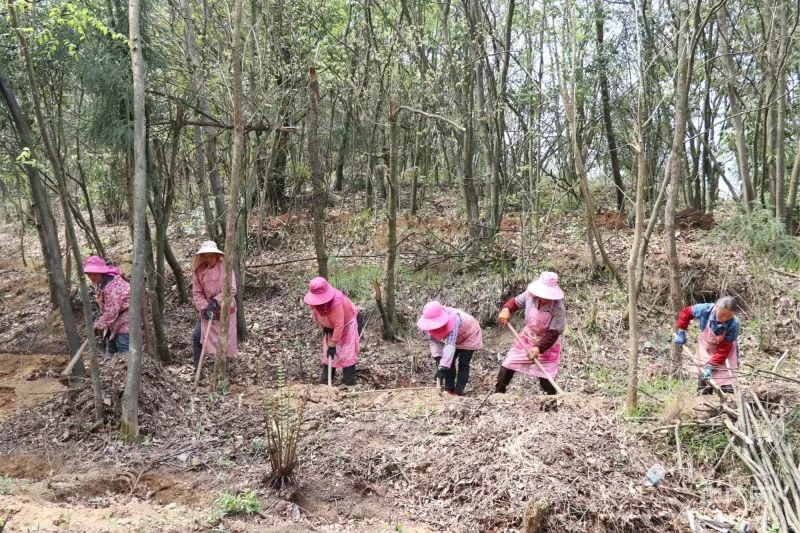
{"x":208,"y":270}
{"x":112,"y":294}
{"x":454,"y":336}
{"x":545,"y":322}
{"x":341,"y":323}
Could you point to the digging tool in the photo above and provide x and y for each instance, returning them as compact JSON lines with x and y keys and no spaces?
{"x":202,"y":353}
{"x":65,"y":374}
{"x":688,"y":353}
{"x":547,"y":375}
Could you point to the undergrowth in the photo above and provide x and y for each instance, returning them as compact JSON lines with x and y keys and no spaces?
{"x":228,"y":504}
{"x":283,"y":423}
{"x":764,"y":236}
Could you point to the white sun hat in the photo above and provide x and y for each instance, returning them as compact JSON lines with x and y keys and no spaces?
{"x":206,"y":247}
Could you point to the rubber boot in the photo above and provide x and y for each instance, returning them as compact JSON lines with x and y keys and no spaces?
{"x":324,"y":379}
{"x":349,"y":375}
{"x":503,"y":379}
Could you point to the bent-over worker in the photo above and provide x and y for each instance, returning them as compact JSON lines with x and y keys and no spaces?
{"x":454,"y":336}
{"x":717,"y":344}
{"x":208,"y":269}
{"x":545,"y":321}
{"x":112,"y":293}
{"x":341,"y":322}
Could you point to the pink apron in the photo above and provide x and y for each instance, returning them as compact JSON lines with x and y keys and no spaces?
{"x":536,"y":321}
{"x":706,"y":346}
{"x":347,"y":347}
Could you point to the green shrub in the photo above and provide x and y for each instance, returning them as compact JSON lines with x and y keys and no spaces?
{"x":355,"y":282}
{"x":764,"y":235}
{"x":282,"y":432}
{"x":227,"y":504}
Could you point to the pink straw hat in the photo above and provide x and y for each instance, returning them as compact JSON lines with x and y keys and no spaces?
{"x":436,"y":318}
{"x":95,"y":265}
{"x":319,"y":292}
{"x":546,"y":287}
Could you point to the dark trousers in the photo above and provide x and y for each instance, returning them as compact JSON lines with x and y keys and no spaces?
{"x":118,"y":344}
{"x":506,"y":374}
{"x":456,"y":379}
{"x":705,"y":388}
{"x":348,"y":372}
{"x":197,"y":345}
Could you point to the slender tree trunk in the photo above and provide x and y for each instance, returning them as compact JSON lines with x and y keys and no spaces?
{"x":129,"y":425}
{"x":233,"y":191}
{"x":48,"y":233}
{"x":736,"y":114}
{"x":780,"y":116}
{"x":571,"y":108}
{"x":793,"y":185}
{"x":202,"y":185}
{"x":317,"y":174}
{"x":675,"y":169}
{"x":605,"y":99}
{"x":635,"y":264}
{"x":391,"y":325}
{"x":338,"y":181}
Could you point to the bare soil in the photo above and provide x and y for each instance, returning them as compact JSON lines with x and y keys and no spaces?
{"x":391,"y":453}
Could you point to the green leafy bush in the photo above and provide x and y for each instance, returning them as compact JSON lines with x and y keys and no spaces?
{"x":227,"y":504}
{"x":764,"y":235}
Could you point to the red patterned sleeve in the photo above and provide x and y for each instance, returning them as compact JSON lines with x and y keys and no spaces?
{"x":684,"y":317}
{"x":511,"y":305}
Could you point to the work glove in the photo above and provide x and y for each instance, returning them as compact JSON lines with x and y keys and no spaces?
{"x":680,"y":337}
{"x":504,"y":317}
{"x":705,"y":374}
{"x":211,"y":309}
{"x":440,"y":372}
{"x":331,"y":352}
{"x":533,"y":353}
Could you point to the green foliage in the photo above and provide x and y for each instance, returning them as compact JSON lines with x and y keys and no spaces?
{"x":355,"y":282}
{"x":703,"y":444}
{"x":283,"y":422}
{"x":764,"y":235}
{"x":227,"y":504}
{"x":5,"y":485}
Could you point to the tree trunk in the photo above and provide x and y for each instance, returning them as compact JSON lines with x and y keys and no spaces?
{"x":793,"y":185}
{"x":338,"y":181}
{"x":233,"y":191}
{"x":48,"y":233}
{"x":736,"y":114}
{"x":675,"y":169}
{"x":635,"y":263}
{"x":129,"y":424}
{"x":390,"y":326}
{"x":317,"y":174}
{"x":605,"y":99}
{"x":571,"y":108}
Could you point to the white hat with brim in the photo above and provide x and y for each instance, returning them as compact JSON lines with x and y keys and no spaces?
{"x":206,"y":247}
{"x":546,"y":287}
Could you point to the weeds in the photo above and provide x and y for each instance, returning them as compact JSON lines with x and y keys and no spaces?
{"x":227,"y":504}
{"x":5,"y":485}
{"x":283,"y":432}
{"x":355,"y":282}
{"x":764,"y":235}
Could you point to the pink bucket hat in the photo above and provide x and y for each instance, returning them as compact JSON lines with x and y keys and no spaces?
{"x":546,"y":287}
{"x":436,"y":319}
{"x":319,"y":292}
{"x":95,"y":265}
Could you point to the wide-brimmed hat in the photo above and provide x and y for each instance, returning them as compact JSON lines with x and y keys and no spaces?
{"x":319,"y":292}
{"x":206,"y":247}
{"x":436,"y":319}
{"x":546,"y":287}
{"x":95,"y":265}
